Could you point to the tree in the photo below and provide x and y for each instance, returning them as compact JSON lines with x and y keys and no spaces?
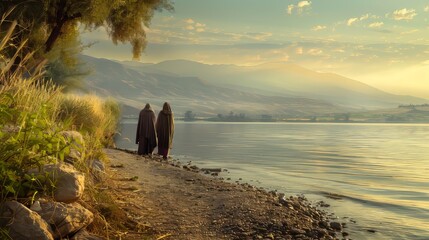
{"x":51,"y":27}
{"x":189,"y":116}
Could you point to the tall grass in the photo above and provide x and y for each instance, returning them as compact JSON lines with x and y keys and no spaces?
{"x":91,"y":115}
{"x":34,"y":113}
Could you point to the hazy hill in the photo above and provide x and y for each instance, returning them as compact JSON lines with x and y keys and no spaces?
{"x":134,"y":85}
{"x":285,"y":79}
{"x":275,"y":88}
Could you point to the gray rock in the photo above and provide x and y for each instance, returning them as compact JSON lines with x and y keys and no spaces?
{"x":23,"y":223}
{"x":69,"y":183}
{"x":97,"y":168}
{"x":323,"y":224}
{"x":336,"y":226}
{"x":97,"y":165}
{"x":64,"y":219}
{"x":76,"y":146}
{"x":322,"y":233}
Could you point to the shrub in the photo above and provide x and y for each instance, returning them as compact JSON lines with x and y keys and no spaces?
{"x":91,"y":115}
{"x":33,"y":113}
{"x":29,"y":139}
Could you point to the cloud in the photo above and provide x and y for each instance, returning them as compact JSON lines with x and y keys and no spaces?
{"x":189,"y":27}
{"x":339,"y":50}
{"x":300,"y":7}
{"x":304,"y":4}
{"x":192,"y":25}
{"x":199,"y":27}
{"x":426,"y":9}
{"x":364,"y":17}
{"x":376,"y":25}
{"x":257,"y":36}
{"x":315,"y":51}
{"x":318,"y":28}
{"x":351,"y":21}
{"x":290,"y":9}
{"x":189,"y":21}
{"x":409,"y":32}
{"x":404,"y":14}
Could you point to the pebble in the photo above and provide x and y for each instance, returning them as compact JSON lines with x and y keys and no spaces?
{"x":336,"y":226}
{"x":296,"y":231}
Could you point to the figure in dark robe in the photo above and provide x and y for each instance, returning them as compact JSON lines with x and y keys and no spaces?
{"x":165,"y":130}
{"x":146,"y":132}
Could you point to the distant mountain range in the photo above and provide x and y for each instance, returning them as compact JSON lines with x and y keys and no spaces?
{"x":279,"y":89}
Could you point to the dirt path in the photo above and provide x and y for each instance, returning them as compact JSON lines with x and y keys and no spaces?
{"x":177,"y":202}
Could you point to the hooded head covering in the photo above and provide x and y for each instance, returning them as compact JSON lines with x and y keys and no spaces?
{"x":166,"y":109}
{"x":147,"y":107}
{"x":165,"y":126}
{"x":146,"y":127}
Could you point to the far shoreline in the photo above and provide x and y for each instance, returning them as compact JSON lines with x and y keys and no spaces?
{"x":287,"y":121}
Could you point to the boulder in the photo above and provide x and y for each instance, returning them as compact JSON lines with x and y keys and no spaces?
{"x":23,"y":223}
{"x":69,"y":183}
{"x":64,"y":219}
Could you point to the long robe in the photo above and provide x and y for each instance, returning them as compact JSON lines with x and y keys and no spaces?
{"x":165,"y":131}
{"x":146,"y":133}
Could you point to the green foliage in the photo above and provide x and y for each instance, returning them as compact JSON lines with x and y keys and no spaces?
{"x":29,"y":140}
{"x":33,"y":117}
{"x":51,"y":28}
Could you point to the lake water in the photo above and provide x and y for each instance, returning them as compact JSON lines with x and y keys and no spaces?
{"x":381,"y":171}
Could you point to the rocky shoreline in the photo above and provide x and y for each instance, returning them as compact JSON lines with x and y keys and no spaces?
{"x":182,"y":201}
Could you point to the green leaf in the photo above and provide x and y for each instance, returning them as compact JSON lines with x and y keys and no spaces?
{"x":10,"y":189}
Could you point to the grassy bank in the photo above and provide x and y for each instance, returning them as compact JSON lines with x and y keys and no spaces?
{"x":34,"y":113}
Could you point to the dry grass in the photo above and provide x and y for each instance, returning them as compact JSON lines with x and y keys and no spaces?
{"x":91,"y":115}
{"x":23,"y":88}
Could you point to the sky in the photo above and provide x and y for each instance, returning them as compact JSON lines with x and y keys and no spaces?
{"x":383,"y":43}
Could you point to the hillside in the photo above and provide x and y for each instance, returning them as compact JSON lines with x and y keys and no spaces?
{"x":286,"y":79}
{"x":134,"y":86}
{"x":279,"y":89}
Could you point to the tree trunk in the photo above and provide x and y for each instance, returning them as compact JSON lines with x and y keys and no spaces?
{"x":55,"y":33}
{"x":58,"y":21}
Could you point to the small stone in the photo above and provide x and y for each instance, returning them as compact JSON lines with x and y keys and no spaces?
{"x":322,"y":233}
{"x":296,"y":231}
{"x":336,"y":226}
